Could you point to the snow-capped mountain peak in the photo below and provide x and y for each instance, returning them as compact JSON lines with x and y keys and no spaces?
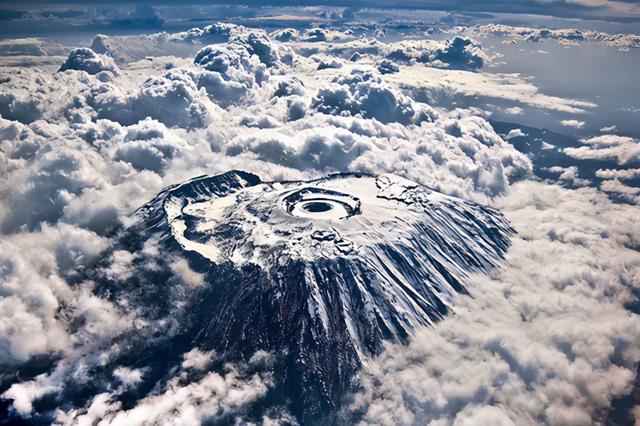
{"x":321,"y":272}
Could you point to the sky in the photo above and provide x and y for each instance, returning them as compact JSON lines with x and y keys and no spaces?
{"x":567,"y":8}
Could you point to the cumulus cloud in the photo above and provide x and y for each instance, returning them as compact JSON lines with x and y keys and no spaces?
{"x":47,"y":186}
{"x":569,"y":175}
{"x":365,"y":94}
{"x":233,"y":69}
{"x":213,"y":33}
{"x":573,"y":123}
{"x":211,"y":397}
{"x":85,"y":59}
{"x":173,"y":98}
{"x":513,"y":111}
{"x":129,"y":48}
{"x":614,"y":185}
{"x":457,"y":53}
{"x":324,"y":63}
{"x":286,"y":34}
{"x":622,"y":149}
{"x":148,"y":145}
{"x":386,"y":66}
{"x":618,"y":174}
{"x":317,"y":34}
{"x":472,"y":157}
{"x":197,"y":359}
{"x":127,"y":376}
{"x":460,"y":53}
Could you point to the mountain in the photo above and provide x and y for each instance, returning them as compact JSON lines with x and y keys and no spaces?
{"x":319,"y":273}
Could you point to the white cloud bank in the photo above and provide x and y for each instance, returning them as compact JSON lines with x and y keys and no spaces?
{"x":565,"y":35}
{"x":622,"y":149}
{"x":81,"y":150}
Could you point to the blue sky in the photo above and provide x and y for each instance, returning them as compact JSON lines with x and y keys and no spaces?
{"x":595,"y":9}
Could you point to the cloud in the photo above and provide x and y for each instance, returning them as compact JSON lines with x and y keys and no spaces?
{"x":457,"y":53}
{"x":618,"y":174}
{"x":531,"y":346}
{"x":80,"y":152}
{"x":620,"y":41}
{"x":130,"y":48}
{"x":232,"y":70}
{"x":573,"y":123}
{"x":285,"y":35}
{"x":515,"y":133}
{"x":37,"y":296}
{"x":629,"y":193}
{"x":218,"y":32}
{"x":464,"y":154}
{"x":127,"y":376}
{"x":47,"y":186}
{"x":211,"y":397}
{"x":314,"y":35}
{"x":197,"y":359}
{"x":460,"y":53}
{"x":31,"y":46}
{"x":569,"y":175}
{"x":513,"y":111}
{"x":325,"y":63}
{"x":623,"y":149}
{"x":438,"y":83}
{"x":85,"y":59}
{"x":386,"y":66}
{"x":148,"y":145}
{"x":173,"y":98}
{"x":364,"y":93}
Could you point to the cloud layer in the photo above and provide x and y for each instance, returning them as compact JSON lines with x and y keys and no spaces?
{"x":88,"y":137}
